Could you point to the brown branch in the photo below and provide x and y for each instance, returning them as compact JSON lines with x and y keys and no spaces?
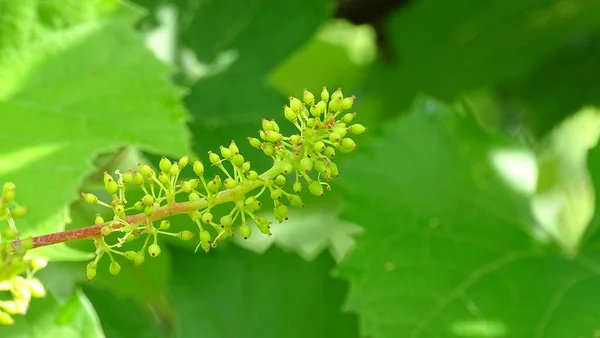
{"x":160,"y":213}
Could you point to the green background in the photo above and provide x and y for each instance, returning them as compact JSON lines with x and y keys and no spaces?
{"x":468,"y":210}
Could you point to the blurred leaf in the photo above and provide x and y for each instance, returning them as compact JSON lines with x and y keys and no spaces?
{"x":560,"y":86}
{"x":74,"y":84}
{"x":240,"y":43}
{"x":308,"y":232}
{"x":49,"y":318}
{"x":564,"y":200}
{"x":448,"y":250}
{"x":120,"y":317}
{"x":444,"y":48}
{"x":339,"y":55}
{"x":235,"y":293}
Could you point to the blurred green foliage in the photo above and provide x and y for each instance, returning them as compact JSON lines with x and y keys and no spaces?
{"x":470,"y":209}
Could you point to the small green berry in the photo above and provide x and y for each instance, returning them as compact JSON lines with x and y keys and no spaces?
{"x":297,"y":187}
{"x":138,"y":178}
{"x":308,"y":97}
{"x":294,"y":139}
{"x":254,"y":142}
{"x":289,"y":114}
{"x":330,"y":152}
{"x":335,"y":105}
{"x":333,"y":169}
{"x":237,"y":160}
{"x":207,"y":217}
{"x":246,"y":166}
{"x":268,"y":149}
{"x":164,"y":224}
{"x":213,"y":186}
{"x":90,"y":198}
{"x":316,"y":188}
{"x":348,"y":144}
{"x":149,"y":210}
{"x":230,"y":183}
{"x":337,"y":94}
{"x":319,"y":146}
{"x":130,"y":255}
{"x":245,"y":231}
{"x":183,"y":161}
{"x":119,"y":209}
{"x":348,"y":102}
{"x":226,"y":152}
{"x":226,"y":221}
{"x":114,"y":268}
{"x":267,"y":125}
{"x":306,"y":164}
{"x":148,"y":200}
{"x":18,"y":211}
{"x":90,"y":270}
{"x":146,"y":170}
{"x":174,"y":170}
{"x":287,"y":167}
{"x":139,"y":259}
{"x":357,"y":129}
{"x":348,"y":117}
{"x":252,"y":175}
{"x":296,"y":201}
{"x":280,"y":212}
{"x":154,"y":250}
{"x":193,"y":196}
{"x":128,"y":176}
{"x":138,"y":205}
{"x":280,"y":180}
{"x":186,"y":186}
{"x":214,"y":158}
{"x":295,"y":104}
{"x":186,"y":235}
{"x":198,"y":167}
{"x":325,"y":94}
{"x":276,"y":194}
{"x":164,"y":178}
{"x":164,"y":164}
{"x":233,"y":147}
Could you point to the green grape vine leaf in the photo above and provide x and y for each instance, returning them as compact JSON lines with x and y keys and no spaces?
{"x":76,"y":81}
{"x":450,"y":249}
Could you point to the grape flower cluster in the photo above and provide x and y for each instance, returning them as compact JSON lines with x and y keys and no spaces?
{"x":302,"y":160}
{"x":16,"y":268}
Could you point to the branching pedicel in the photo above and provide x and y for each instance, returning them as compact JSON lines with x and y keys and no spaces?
{"x":306,"y":158}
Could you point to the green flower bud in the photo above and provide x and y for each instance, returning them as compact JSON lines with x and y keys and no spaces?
{"x":280,"y":180}
{"x":106,"y":230}
{"x":139,"y":259}
{"x":276,"y":194}
{"x":287,"y":167}
{"x":294,"y":139}
{"x":138,"y":178}
{"x":213,"y":186}
{"x":348,"y":102}
{"x":252,"y":175}
{"x":267,"y":125}
{"x":226,"y":221}
{"x":186,"y":186}
{"x":296,"y":201}
{"x":311,"y":122}
{"x":245,"y":231}
{"x":306,"y":164}
{"x":149,"y":210}
{"x":183,"y":161}
{"x":238,"y":160}
{"x":186,"y":235}
{"x":280,"y":212}
{"x":233,"y":147}
{"x":18,"y":211}
{"x":308,"y":97}
{"x":90,"y":271}
{"x":330,"y":152}
{"x":297,"y":187}
{"x":194,"y":183}
{"x":205,"y":239}
{"x":230,"y":183}
{"x":174,"y":169}
{"x":335,"y":105}
{"x":138,"y":205}
{"x":193,"y":196}
{"x":148,"y":200}
{"x":146,"y":170}
{"x":295,"y":104}
{"x":316,"y":188}
{"x":198,"y":167}
{"x":128,"y":176}
{"x":214,"y":158}
{"x":114,"y":268}
{"x":164,"y":178}
{"x":268,"y":149}
{"x":337,"y":94}
{"x":207,"y":217}
{"x":106,"y":177}
{"x":357,"y":129}
{"x":333,"y":169}
{"x":273,"y":136}
{"x":164,"y":224}
{"x":348,"y":144}
{"x":348,"y":117}
{"x":316,"y":111}
{"x":164,"y":164}
{"x":325,"y":94}
{"x":225,"y":152}
{"x":130,"y":255}
{"x":246,"y":166}
{"x":254,"y":142}
{"x":154,"y":250}
{"x":289,"y":114}
{"x":35,"y":287}
{"x":319,"y":146}
{"x":90,"y":198}
{"x":321,"y":166}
